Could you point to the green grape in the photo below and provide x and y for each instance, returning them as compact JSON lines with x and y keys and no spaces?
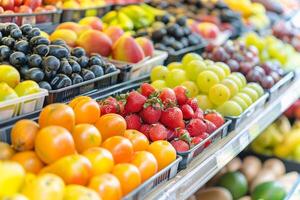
{"x":225,"y":67}
{"x":246,"y":98}
{"x":158,"y":73}
{"x":231,"y":85}
{"x":174,"y":65}
{"x":194,"y":68}
{"x":209,"y":62}
{"x":237,"y":81}
{"x":190,"y":57}
{"x":218,"y":70}
{"x":251,"y":93}
{"x":175,"y":77}
{"x":218,"y":94}
{"x":241,"y":77}
{"x":206,"y":80}
{"x":159,"y":84}
{"x":204,"y":103}
{"x":256,"y":87}
{"x":192,"y":89}
{"x":230,"y":108}
{"x":240,"y":101}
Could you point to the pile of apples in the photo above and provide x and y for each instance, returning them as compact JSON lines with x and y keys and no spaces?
{"x":90,"y":34}
{"x":8,"y":7}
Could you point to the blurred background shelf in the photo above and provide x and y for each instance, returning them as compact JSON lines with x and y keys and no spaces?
{"x":204,"y":167}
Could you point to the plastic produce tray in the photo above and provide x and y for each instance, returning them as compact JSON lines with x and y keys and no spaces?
{"x":77,"y":14}
{"x":162,"y":176}
{"x":130,"y":71}
{"x":45,"y":18}
{"x":257,"y":105}
{"x":22,"y":105}
{"x":283,"y":83}
{"x":68,"y":93}
{"x":178,"y":55}
{"x":217,"y":135}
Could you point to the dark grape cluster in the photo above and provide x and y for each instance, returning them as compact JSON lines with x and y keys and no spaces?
{"x":53,"y":65}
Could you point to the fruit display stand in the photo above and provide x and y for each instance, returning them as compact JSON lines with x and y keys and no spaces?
{"x":204,"y":167}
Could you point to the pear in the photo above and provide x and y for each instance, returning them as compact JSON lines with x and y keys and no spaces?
{"x":6,"y":92}
{"x":26,"y":88}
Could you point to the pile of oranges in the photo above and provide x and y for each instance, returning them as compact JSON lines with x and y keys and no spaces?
{"x":87,"y":151}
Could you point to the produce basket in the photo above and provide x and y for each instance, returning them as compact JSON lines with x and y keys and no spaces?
{"x":284,"y":82}
{"x":162,"y":176}
{"x":77,"y":14}
{"x":178,"y":55}
{"x":217,"y":135}
{"x":90,"y":86}
{"x":131,"y":71}
{"x":22,"y":105}
{"x":257,"y":105}
{"x":37,"y":19}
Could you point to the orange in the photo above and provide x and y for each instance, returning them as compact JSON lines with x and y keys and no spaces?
{"x":146,"y":163}
{"x":164,"y":153}
{"x":120,"y":147}
{"x":111,"y":125}
{"x":107,"y":186}
{"x":57,"y":114}
{"x":86,"y":110}
{"x":23,"y":134}
{"x":6,"y":151}
{"x":86,"y":136}
{"x":128,"y":175}
{"x":54,"y":142}
{"x":101,"y":159}
{"x":29,"y":160}
{"x":139,"y":141}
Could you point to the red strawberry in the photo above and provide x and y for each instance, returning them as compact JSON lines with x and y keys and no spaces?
{"x":172,"y":117}
{"x":145,"y":129}
{"x":210,"y":126}
{"x":215,"y":118}
{"x":121,"y":107}
{"x":204,"y":136}
{"x":147,"y":89}
{"x":187,"y":111}
{"x":171,"y":135}
{"x":181,"y":94}
{"x":196,"y":127}
{"x":198,"y":114}
{"x":157,"y":132}
{"x":152,"y":111}
{"x":133,"y":121}
{"x":180,"y":145}
{"x":196,"y":140}
{"x":193,"y":102}
{"x":167,"y":95}
{"x":183,"y":134}
{"x":109,"y":105}
{"x":181,"y":124}
{"x":134,"y":102}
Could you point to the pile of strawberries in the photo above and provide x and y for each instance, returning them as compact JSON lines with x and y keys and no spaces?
{"x":164,"y":115}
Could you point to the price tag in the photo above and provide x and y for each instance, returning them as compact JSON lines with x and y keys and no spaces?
{"x":244,"y":141}
{"x":253,"y":131}
{"x":225,"y":155}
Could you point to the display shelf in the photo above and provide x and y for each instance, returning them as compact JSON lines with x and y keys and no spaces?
{"x":205,"y":166}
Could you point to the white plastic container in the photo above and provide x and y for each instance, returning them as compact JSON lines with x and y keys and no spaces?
{"x":22,"y":105}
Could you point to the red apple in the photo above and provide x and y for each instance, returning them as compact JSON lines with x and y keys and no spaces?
{"x":1,"y":10}
{"x":25,"y":20}
{"x":18,"y":2}
{"x":41,"y":18}
{"x":50,"y":8}
{"x":7,"y":19}
{"x":33,"y":4}
{"x":8,"y":4}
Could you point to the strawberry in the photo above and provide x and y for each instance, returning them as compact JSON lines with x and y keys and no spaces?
{"x":172,"y":117}
{"x":133,"y":121}
{"x":181,"y":124}
{"x":147,"y":89}
{"x":152,"y":110}
{"x":196,"y":140}
{"x":121,"y":106}
{"x":198,"y":114}
{"x":215,"y":118}
{"x":157,"y":132}
{"x":183,"y":134}
{"x":181,"y":94}
{"x":210,"y":126}
{"x":193,"y":102}
{"x":134,"y":102}
{"x":180,"y":145}
{"x":171,"y":134}
{"x":204,"y":136}
{"x":167,"y":95}
{"x":145,"y":129}
{"x":196,"y":127}
{"x":109,"y":105}
{"x":187,"y":111}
